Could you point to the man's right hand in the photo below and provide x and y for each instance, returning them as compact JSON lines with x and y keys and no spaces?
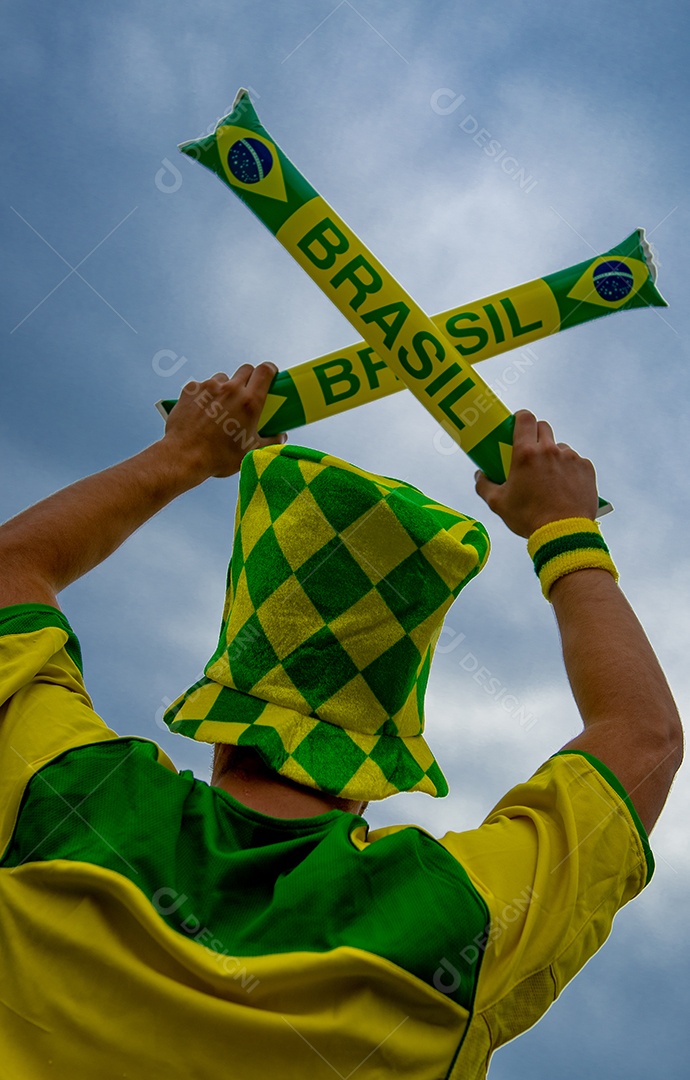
{"x":214,"y":423}
{"x":548,"y":481}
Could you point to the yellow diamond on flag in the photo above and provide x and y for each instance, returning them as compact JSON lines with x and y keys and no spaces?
{"x":610,"y":281}
{"x":506,"y":452}
{"x":251,"y":162}
{"x":271,"y":405}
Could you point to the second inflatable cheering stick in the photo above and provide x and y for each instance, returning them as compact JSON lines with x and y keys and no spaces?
{"x":404,"y":346}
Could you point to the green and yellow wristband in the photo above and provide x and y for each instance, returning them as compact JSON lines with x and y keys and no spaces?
{"x":560,"y":547}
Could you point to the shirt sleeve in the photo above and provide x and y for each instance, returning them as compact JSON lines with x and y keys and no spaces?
{"x":554,"y":861}
{"x":44,"y":706}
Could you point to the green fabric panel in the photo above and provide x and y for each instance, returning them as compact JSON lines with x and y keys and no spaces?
{"x":261,"y":885}
{"x":344,"y":503}
{"x":184,"y":727}
{"x":262,"y":738}
{"x":249,"y":665}
{"x":299,"y":452}
{"x":388,"y":727}
{"x":333,"y":580}
{"x":235,"y":565}
{"x":392,"y":674}
{"x":232,"y":706}
{"x":438,"y":779}
{"x":320,"y":667}
{"x":613,"y":781}
{"x":290,"y":485}
{"x":266,"y":568}
{"x":401,"y":771}
{"x":410,"y":492}
{"x":422,"y":525}
{"x":478,"y":538}
{"x":330,"y":757}
{"x":562,"y":544}
{"x":630,"y":246}
{"x":445,"y":518}
{"x":249,"y":478}
{"x":219,"y":651}
{"x":26,"y":618}
{"x":413,"y":591}
{"x":422,"y":681}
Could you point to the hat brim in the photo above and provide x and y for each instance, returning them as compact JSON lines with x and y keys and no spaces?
{"x":310,"y":751}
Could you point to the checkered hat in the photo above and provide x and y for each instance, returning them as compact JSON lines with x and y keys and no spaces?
{"x":337,"y":589}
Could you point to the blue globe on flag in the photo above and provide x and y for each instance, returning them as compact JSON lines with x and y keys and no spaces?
{"x":613,"y":280}
{"x":249,"y":160}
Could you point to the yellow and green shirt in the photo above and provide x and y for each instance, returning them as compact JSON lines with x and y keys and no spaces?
{"x":153,"y":926}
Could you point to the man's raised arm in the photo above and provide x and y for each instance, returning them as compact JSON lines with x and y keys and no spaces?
{"x":50,"y":545}
{"x":631,"y":722}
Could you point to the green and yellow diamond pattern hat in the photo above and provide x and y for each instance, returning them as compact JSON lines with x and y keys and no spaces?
{"x":337,"y":589}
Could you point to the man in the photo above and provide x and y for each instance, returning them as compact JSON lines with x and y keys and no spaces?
{"x":382,"y":953}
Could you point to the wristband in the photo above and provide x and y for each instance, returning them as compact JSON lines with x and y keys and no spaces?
{"x":560,"y":547}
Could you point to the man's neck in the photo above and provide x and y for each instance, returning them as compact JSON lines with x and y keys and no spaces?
{"x":280,"y":798}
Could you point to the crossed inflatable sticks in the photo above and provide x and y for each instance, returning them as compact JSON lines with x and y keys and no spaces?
{"x":402,"y":347}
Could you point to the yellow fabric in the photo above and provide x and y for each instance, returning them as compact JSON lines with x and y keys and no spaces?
{"x":593,"y":558}
{"x":571,"y":561}
{"x":562,"y":527}
{"x":44,"y":710}
{"x":148,"y":1001}
{"x":555,"y":860}
{"x":153,"y":1003}
{"x":123,"y":994}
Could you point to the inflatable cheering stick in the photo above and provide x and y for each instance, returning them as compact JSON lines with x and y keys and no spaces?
{"x":250,"y":162}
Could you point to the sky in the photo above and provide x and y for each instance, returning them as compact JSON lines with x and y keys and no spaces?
{"x":127,"y":270}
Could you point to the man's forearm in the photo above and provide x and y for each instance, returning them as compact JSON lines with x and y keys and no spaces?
{"x":57,"y":541}
{"x":66,"y":535}
{"x":619,"y":687}
{"x":631,"y":721}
